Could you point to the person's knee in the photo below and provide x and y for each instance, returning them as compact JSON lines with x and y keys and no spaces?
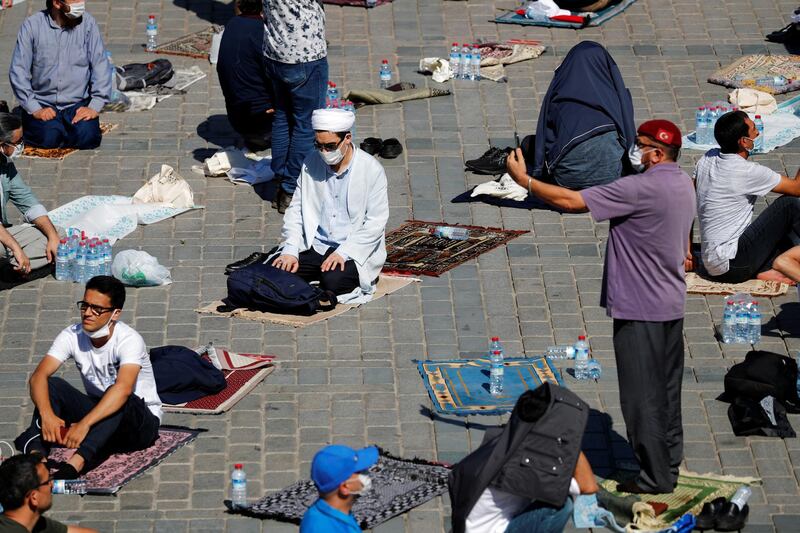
{"x":785,"y":262}
{"x":44,"y":134}
{"x":86,"y":135}
{"x":338,"y":282}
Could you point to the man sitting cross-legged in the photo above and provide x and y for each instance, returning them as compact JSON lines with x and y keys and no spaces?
{"x":121,"y":410}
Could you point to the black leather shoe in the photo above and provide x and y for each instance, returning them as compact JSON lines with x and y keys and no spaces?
{"x":391,"y":148}
{"x":371,"y":145}
{"x":790,"y":34}
{"x":730,"y":518}
{"x":708,"y":516}
{"x":251,"y":259}
{"x":282,"y":200}
{"x":492,"y":162}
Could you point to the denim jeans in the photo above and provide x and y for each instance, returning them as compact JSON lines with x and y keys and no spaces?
{"x":541,"y":518}
{"x":299,"y":90}
{"x":769,"y":235}
{"x":60,"y":132}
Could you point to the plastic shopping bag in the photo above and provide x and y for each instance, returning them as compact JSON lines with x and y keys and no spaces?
{"x":139,"y":269}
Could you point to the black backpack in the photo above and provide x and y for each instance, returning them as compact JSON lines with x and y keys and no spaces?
{"x":262,"y":287}
{"x":140,"y":75}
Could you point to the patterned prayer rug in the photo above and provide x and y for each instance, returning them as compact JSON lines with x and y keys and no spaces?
{"x":197,"y":44}
{"x":590,"y":19}
{"x":692,"y":492}
{"x":755,"y":287}
{"x":242,"y":373}
{"x":60,"y":153}
{"x":411,"y":249}
{"x":745,"y":72}
{"x":398,"y":485}
{"x":121,"y":468}
{"x":461,"y":386}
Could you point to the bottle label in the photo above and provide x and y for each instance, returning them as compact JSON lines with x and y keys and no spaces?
{"x":239,"y":483}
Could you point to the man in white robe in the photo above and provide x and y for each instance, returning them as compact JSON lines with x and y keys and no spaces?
{"x":334,"y":229}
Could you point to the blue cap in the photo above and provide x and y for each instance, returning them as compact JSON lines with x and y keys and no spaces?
{"x":334,"y":464}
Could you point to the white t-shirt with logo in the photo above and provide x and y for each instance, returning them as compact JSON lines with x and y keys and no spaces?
{"x":99,"y":366}
{"x":727,"y":187}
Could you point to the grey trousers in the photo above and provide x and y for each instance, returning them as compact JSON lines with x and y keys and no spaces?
{"x":33,"y":243}
{"x":650,"y":368}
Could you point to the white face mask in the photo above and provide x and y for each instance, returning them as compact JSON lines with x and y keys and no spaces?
{"x":105,"y":331}
{"x":18,"y":148}
{"x":366,"y":483}
{"x":635,"y":157}
{"x":334,"y":157}
{"x":76,"y":10}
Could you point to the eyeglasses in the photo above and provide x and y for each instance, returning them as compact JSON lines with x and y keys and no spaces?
{"x":328,"y":147}
{"x":16,"y":146}
{"x":47,"y":482}
{"x":642,"y":145}
{"x":96,"y":309}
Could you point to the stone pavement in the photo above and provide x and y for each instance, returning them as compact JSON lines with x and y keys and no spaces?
{"x":351,"y":380}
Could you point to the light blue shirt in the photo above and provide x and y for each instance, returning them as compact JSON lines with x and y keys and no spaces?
{"x":322,"y":518}
{"x":58,"y":67}
{"x":13,"y":189}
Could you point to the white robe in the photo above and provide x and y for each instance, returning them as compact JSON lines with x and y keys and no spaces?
{"x":367,"y":206}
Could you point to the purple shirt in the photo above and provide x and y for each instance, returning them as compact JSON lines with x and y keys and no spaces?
{"x":651,"y":215}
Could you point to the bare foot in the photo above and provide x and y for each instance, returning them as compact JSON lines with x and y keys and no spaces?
{"x":774,"y":275}
{"x":77,"y":462}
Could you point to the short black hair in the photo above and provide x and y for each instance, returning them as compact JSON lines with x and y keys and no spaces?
{"x":729,"y":129}
{"x":18,"y":476}
{"x":9,"y":123}
{"x":250,"y":7}
{"x":111,"y":287}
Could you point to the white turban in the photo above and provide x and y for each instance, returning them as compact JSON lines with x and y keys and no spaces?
{"x":334,"y":120}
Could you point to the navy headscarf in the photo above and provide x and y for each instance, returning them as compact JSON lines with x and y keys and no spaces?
{"x":587,"y":97}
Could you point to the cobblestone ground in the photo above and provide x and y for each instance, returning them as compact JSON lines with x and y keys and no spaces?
{"x":351,"y":380}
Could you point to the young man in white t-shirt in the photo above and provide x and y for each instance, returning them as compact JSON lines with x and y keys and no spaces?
{"x":733,"y":248}
{"x":120,"y":411}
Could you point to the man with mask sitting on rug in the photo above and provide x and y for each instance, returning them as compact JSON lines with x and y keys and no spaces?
{"x":60,"y":75}
{"x":334,"y":228}
{"x":339,"y":474}
{"x":121,"y":410}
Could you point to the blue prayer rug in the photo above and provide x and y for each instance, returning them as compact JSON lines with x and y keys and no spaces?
{"x":590,"y":19}
{"x":461,"y":386}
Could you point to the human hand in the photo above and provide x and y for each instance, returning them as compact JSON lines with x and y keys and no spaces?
{"x":332,"y":261}
{"x":688,"y":262}
{"x":84,"y":113}
{"x":45,"y":114}
{"x":51,"y":428}
{"x":286,"y":262}
{"x":23,"y":263}
{"x":515,"y":165}
{"x":51,"y":249}
{"x":75,"y":434}
{"x":270,"y":111}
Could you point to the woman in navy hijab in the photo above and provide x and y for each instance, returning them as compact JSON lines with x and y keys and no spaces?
{"x":585,"y":124}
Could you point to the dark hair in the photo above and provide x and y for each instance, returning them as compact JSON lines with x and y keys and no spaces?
{"x":18,"y":476}
{"x":250,"y":7}
{"x":9,"y":123}
{"x":729,"y":129}
{"x":111,"y":287}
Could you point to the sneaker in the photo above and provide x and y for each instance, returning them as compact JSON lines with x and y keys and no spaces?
{"x":251,"y":259}
{"x":492,"y":162}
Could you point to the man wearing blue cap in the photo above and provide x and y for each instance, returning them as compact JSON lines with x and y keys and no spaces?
{"x":337,"y":472}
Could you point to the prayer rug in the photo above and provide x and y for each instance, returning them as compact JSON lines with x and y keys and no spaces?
{"x":121,"y":468}
{"x":692,"y":492}
{"x":197,"y":44}
{"x":495,"y":55}
{"x":746,"y":71}
{"x":755,"y":287}
{"x":780,"y":128}
{"x":386,"y":285}
{"x":243,"y":372}
{"x":412,"y":249}
{"x":461,"y":386}
{"x":590,"y":19}
{"x":398,"y":485}
{"x":60,"y":153}
{"x":356,"y":3}
{"x":384,"y":96}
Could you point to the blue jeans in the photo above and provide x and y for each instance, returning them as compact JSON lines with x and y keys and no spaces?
{"x":541,"y":518}
{"x":60,"y":132}
{"x":299,"y":90}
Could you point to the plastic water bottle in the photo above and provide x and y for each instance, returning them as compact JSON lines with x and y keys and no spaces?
{"x":755,"y":323}
{"x":700,"y":126}
{"x":742,"y":323}
{"x":238,"y":486}
{"x":496,"y":373}
{"x":455,"y":59}
{"x":562,"y":351}
{"x":581,"y":358}
{"x":759,"y":144}
{"x":385,"y":74}
{"x":62,"y":261}
{"x":69,"y":486}
{"x":594,"y":369}
{"x":152,"y":33}
{"x":80,"y":263}
{"x":334,"y":95}
{"x":739,"y":499}
{"x":475,"y":73}
{"x":466,"y":62}
{"x":495,"y":346}
{"x":729,"y":323}
{"x":112,"y":72}
{"x":329,"y":95}
{"x":449,"y":232}
{"x":107,"y":257}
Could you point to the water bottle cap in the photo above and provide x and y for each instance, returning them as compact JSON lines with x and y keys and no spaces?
{"x":758,"y":116}
{"x":63,"y":241}
{"x":754,"y":302}
{"x":495,"y":339}
{"x":455,"y":44}
{"x":385,"y":61}
{"x":496,"y":352}
{"x":730,"y":302}
{"x":581,"y":337}
{"x":238,"y":466}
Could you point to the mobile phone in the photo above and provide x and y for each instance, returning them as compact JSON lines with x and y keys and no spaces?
{"x":516,"y":138}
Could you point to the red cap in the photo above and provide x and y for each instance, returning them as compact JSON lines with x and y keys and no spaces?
{"x":495,"y":339}
{"x":385,"y":61}
{"x":238,"y":466}
{"x":454,"y":44}
{"x":758,"y":116}
{"x":662,"y":131}
{"x":581,"y":337}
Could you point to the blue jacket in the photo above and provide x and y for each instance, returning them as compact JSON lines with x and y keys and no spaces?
{"x":240,"y":66}
{"x":13,"y":188}
{"x":322,"y":518}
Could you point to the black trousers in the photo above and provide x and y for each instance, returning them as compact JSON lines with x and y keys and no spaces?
{"x":768,"y":236}
{"x":650,"y":368}
{"x":336,"y":281}
{"x":131,"y":428}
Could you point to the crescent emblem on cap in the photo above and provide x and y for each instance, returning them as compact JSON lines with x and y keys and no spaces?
{"x":664,"y":136}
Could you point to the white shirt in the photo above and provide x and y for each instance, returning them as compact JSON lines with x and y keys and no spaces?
{"x":727,"y":188}
{"x":99,"y":366}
